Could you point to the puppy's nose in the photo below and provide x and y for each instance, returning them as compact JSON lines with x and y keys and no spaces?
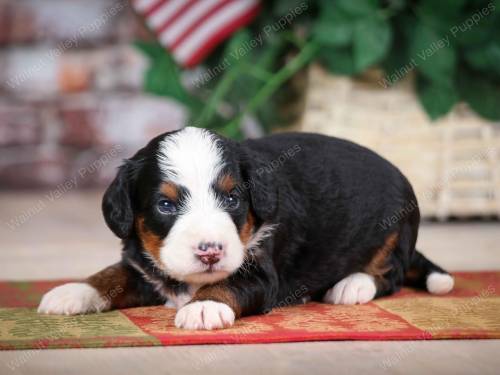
{"x":209,"y":252}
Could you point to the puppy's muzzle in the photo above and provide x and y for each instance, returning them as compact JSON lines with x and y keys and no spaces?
{"x":210,"y":252}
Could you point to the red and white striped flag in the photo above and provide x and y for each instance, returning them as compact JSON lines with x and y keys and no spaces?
{"x":190,"y":29}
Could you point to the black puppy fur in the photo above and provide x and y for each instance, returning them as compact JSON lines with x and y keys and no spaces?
{"x":329,"y":199}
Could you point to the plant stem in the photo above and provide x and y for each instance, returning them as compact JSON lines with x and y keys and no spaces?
{"x":273,"y":84}
{"x":220,"y":91}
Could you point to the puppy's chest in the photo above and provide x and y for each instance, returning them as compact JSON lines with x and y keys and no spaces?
{"x":178,"y":299}
{"x":175,"y":295}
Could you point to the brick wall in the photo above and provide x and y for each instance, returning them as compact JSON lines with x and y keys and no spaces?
{"x":70,"y":92}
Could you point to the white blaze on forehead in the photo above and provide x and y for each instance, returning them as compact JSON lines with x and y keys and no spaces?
{"x":191,"y":158}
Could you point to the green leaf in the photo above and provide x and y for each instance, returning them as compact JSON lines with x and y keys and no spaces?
{"x":485,"y":58}
{"x":372,"y":39}
{"x":238,"y":47}
{"x":282,"y":8}
{"x":358,"y":8}
{"x":334,"y":26}
{"x":445,"y":6}
{"x":478,"y":26}
{"x":339,"y":60}
{"x":471,"y":37}
{"x":481,"y":92}
{"x":163,"y":75}
{"x":440,"y":15}
{"x":436,"y":99}
{"x":150,"y":49}
{"x":394,"y":6}
{"x":163,"y":78}
{"x":397,"y":57}
{"x":434,"y":54}
{"x":336,"y":33}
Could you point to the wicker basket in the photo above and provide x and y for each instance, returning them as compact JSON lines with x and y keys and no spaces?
{"x":453,"y":163}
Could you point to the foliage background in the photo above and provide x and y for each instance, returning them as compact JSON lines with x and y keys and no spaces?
{"x":347,"y":37}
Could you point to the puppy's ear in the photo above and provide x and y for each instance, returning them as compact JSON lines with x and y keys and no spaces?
{"x":117,"y":201}
{"x":262,"y":185}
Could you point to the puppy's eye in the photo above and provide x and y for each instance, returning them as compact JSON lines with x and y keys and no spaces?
{"x":230,"y":201}
{"x":167,"y":207}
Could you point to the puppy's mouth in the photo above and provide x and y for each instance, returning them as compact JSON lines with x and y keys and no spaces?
{"x":210,"y":269}
{"x":210,"y":274}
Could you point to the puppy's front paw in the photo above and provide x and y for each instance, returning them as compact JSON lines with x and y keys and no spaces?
{"x":204,"y":315}
{"x":72,"y":299}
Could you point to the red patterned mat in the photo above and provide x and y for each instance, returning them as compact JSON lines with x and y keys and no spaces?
{"x":471,"y":311}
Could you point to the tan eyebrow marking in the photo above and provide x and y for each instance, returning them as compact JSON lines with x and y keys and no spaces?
{"x":226,"y":183}
{"x":170,"y":190}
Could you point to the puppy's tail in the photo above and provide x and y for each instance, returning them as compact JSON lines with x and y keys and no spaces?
{"x":426,"y":275}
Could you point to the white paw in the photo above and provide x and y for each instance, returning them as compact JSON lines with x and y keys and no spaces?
{"x":356,"y":288}
{"x":72,"y":299}
{"x":439,"y":283}
{"x":204,"y":315}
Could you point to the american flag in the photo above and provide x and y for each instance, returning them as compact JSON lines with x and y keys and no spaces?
{"x":190,"y":29}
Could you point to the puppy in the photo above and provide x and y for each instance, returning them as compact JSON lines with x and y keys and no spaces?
{"x":220,"y":229}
